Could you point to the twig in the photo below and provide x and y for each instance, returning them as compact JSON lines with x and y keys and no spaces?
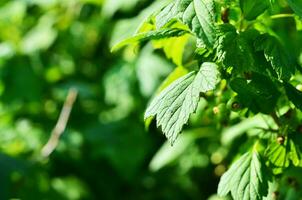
{"x":278,"y":16}
{"x":58,"y":130}
{"x":276,"y":119}
{"x":267,"y":129}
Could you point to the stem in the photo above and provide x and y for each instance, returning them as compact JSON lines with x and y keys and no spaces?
{"x":58,"y":130}
{"x":278,"y":16}
{"x":276,"y":119}
{"x":241,"y":22}
{"x":284,"y":131}
{"x":268,"y":129}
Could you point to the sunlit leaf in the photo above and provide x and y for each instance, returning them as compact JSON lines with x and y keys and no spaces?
{"x":245,"y":179}
{"x":151,"y":35}
{"x":173,"y":106}
{"x":281,"y":155}
{"x":199,"y":15}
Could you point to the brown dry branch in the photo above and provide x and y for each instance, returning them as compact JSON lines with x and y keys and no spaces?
{"x":60,"y":126}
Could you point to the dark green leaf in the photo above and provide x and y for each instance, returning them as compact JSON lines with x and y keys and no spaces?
{"x":294,"y":95}
{"x":233,"y":50}
{"x":259,"y":95}
{"x":252,"y":8}
{"x":296,"y":5}
{"x":276,"y":55}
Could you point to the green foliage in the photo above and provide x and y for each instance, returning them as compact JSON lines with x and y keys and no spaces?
{"x":224,"y":80}
{"x":281,"y":154}
{"x":294,"y":95}
{"x":259,"y":95}
{"x":245,"y":179}
{"x":198,"y":15}
{"x":296,"y":6}
{"x":231,"y":45}
{"x":282,"y":64}
{"x":251,"y":9}
{"x":152,"y":35}
{"x":173,"y":106}
{"x":253,"y":101}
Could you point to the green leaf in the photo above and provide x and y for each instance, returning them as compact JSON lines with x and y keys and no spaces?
{"x":171,"y":12}
{"x":229,"y":134}
{"x":173,"y":106}
{"x":199,"y":15}
{"x":276,"y":55}
{"x":174,"y":75}
{"x":109,"y":8}
{"x":298,"y":23}
{"x":233,"y":50}
{"x":173,"y":47}
{"x":151,"y":35}
{"x":237,"y":50}
{"x":245,"y":179}
{"x":166,"y":155}
{"x":251,"y":9}
{"x":259,"y":95}
{"x":281,"y":155}
{"x":177,"y":73}
{"x":151,"y":68}
{"x":40,"y":37}
{"x":296,"y":5}
{"x":294,"y":95}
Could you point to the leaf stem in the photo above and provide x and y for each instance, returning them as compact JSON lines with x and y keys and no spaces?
{"x":268,"y":129}
{"x":284,"y":131}
{"x":276,"y":119}
{"x":241,"y":23}
{"x":285,"y":15}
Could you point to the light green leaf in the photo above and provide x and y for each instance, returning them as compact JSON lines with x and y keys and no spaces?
{"x":252,"y":8}
{"x":281,"y":155}
{"x":151,"y":68}
{"x":245,"y":179}
{"x":151,"y":35}
{"x":173,"y":47}
{"x":112,"y":6}
{"x":172,"y":11}
{"x":229,"y":134}
{"x":296,"y":5}
{"x":294,"y":95}
{"x":173,"y":106}
{"x":177,"y":73}
{"x":143,"y":22}
{"x":166,"y":155}
{"x":298,"y":23}
{"x":40,"y":37}
{"x":199,"y":15}
{"x":276,"y":55}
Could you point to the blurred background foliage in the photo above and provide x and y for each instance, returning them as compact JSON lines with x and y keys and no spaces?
{"x":49,"y":46}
